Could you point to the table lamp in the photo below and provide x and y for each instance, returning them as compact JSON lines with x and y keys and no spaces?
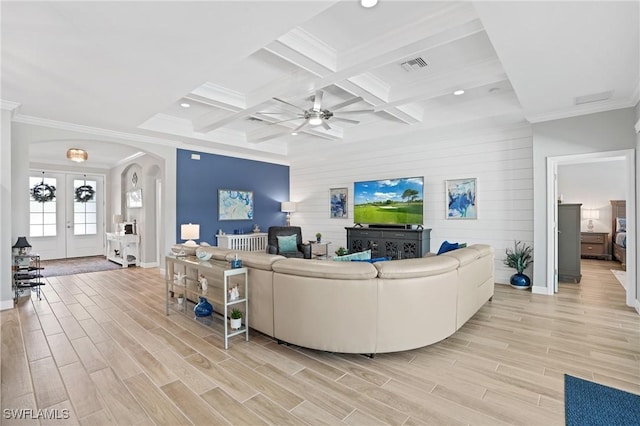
{"x":590,"y":214}
{"x":288,"y":207}
{"x":22,"y":245}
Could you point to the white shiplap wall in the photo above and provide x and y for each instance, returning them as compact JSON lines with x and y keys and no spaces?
{"x":501,"y":160}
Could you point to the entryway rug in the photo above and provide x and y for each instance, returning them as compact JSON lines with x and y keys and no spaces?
{"x":621,"y":276}
{"x":76,"y":265}
{"x":588,"y":403}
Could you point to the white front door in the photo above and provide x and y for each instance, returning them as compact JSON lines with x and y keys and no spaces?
{"x":72,"y":223}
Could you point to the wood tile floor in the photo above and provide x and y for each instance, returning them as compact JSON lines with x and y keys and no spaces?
{"x":99,"y":349}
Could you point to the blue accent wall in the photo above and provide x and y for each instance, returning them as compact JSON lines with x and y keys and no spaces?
{"x":197,"y":187}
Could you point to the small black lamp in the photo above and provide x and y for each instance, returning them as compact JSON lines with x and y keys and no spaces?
{"x":22,"y":245}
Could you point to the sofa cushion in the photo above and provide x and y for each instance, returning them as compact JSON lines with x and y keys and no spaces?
{"x":256,"y":260}
{"x":420,"y":267}
{"x":463,"y":255}
{"x":362,"y":255}
{"x":326,"y":269}
{"x":483,"y":249}
{"x":287,"y":243}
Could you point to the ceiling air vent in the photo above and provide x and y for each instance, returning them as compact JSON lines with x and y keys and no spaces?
{"x":414,"y":64}
{"x":250,"y":118}
{"x":594,"y":97}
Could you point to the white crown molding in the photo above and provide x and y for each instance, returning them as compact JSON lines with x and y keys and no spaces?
{"x":9,"y":106}
{"x":311,"y":46}
{"x":637,"y":127}
{"x":578,"y":110}
{"x":219,"y":94}
{"x":43,"y":122}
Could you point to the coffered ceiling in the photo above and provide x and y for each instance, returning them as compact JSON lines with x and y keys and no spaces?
{"x":251,"y":70}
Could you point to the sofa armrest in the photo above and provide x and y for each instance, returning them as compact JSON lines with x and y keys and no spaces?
{"x":305,"y":249}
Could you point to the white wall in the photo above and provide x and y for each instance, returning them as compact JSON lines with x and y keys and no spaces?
{"x":593,"y":185}
{"x":6,"y":236}
{"x":601,"y":132}
{"x":501,"y":160}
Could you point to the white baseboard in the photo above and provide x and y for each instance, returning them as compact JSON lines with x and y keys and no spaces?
{"x":638,"y":306}
{"x":6,"y":304}
{"x":538,"y":289}
{"x":149,"y":265}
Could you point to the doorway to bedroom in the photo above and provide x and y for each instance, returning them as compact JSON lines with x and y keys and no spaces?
{"x":587,"y":184}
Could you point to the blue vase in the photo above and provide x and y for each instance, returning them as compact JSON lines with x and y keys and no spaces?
{"x":203,"y":308}
{"x":520,"y":281}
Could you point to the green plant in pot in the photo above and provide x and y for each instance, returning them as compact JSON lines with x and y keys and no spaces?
{"x":341,"y":251}
{"x":519,"y":258}
{"x":318,"y":237}
{"x":236,"y":318}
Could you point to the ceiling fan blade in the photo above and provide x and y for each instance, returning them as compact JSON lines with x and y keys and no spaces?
{"x":284,"y":121}
{"x":326,"y":125}
{"x":317,"y":100}
{"x":287,"y":103}
{"x":300,"y":127}
{"x":357,"y":111}
{"x":346,"y":120}
{"x":345,"y":103}
{"x":271,"y":113}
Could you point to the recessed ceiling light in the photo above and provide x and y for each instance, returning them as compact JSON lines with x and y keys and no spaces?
{"x":294,"y":133}
{"x":185,"y":105}
{"x":459,"y":92}
{"x":368,"y":3}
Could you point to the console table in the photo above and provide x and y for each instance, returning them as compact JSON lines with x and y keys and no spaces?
{"x":123,"y":248}
{"x":389,"y":242}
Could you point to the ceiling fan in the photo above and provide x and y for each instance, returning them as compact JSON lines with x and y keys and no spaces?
{"x":317,"y":115}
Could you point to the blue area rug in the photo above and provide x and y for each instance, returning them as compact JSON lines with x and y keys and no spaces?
{"x":588,"y":403}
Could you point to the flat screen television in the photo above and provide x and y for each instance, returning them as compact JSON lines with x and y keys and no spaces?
{"x":389,"y":201}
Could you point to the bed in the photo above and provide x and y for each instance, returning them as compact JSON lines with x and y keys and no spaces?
{"x":619,"y":231}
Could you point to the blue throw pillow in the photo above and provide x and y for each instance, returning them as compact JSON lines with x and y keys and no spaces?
{"x":447,"y":246}
{"x":287,"y":244}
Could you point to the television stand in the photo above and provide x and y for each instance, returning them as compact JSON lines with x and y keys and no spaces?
{"x":389,"y":242}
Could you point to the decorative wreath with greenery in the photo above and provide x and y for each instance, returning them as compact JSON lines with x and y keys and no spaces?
{"x":43,"y":192}
{"x":84,"y":193}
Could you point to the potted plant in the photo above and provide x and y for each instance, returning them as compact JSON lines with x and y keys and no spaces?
{"x":236,"y":318}
{"x":519,"y":258}
{"x":341,"y":251}
{"x":318,"y":237}
{"x":180,"y":299}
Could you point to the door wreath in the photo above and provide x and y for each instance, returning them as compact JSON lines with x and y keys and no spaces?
{"x":43,"y":192}
{"x":84,"y":193}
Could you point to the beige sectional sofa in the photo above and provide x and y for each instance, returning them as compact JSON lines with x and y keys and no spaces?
{"x":359,"y":307}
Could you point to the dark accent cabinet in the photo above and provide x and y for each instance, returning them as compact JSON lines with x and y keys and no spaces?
{"x":389,"y":242}
{"x":569,"y":242}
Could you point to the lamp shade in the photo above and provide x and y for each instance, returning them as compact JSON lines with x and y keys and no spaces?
{"x":591,"y":214}
{"x":190,"y":232}
{"x":78,"y":155}
{"x":287,"y":206}
{"x":117,"y":218}
{"x":21,"y":243}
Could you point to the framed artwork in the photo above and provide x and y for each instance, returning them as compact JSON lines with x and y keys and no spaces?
{"x":235,"y":205}
{"x":134,"y":198}
{"x":462,"y":202}
{"x":338,"y":203}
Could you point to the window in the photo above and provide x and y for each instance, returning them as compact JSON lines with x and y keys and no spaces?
{"x":85,"y":218}
{"x":42,"y":214}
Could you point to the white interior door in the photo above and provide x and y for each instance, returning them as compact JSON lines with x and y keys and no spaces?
{"x":65,"y":226}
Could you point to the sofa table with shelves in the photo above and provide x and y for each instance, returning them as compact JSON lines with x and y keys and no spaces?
{"x":183,"y":275}
{"x":123,"y":249}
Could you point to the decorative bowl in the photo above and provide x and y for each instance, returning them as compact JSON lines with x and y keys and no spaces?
{"x":203,"y":255}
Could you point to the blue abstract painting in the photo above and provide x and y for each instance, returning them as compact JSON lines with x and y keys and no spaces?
{"x":462,"y":200}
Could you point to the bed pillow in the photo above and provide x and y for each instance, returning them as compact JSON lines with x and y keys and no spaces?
{"x":621,"y":224}
{"x":287,"y":243}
